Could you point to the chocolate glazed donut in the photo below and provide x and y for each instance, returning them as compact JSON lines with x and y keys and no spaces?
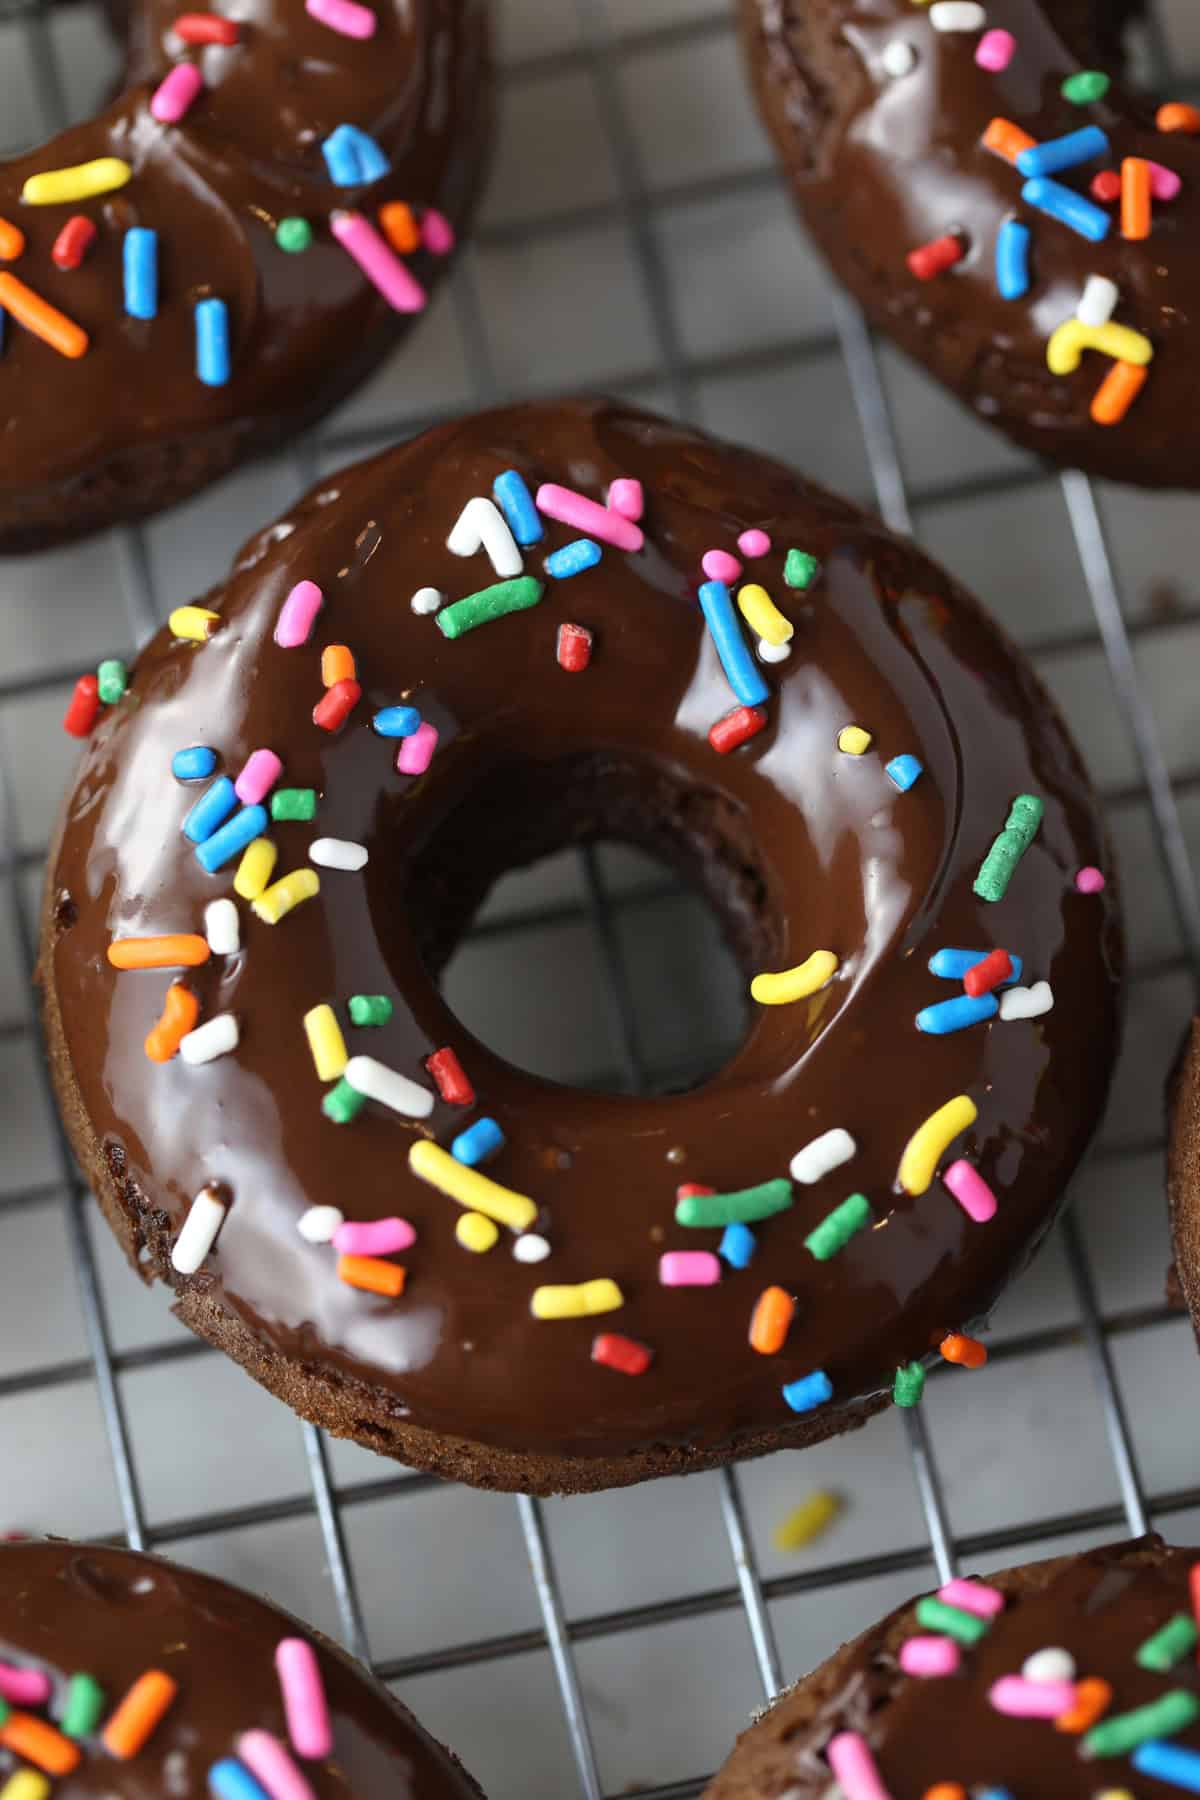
{"x":224,"y":174}
{"x":837,"y":805}
{"x":899,"y":137}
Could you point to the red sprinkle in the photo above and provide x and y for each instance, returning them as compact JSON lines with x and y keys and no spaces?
{"x":624,"y":1354}
{"x":73,"y":242}
{"x":206,"y":28}
{"x":84,"y":709}
{"x":688,"y":1190}
{"x":336,"y":704}
{"x":574,"y":648}
{"x":995,"y":968}
{"x":1194,"y":1586}
{"x":737,"y":727}
{"x":1106,"y":186}
{"x":935,"y":258}
{"x":450,"y":1078}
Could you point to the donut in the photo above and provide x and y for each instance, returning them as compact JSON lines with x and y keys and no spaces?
{"x":130,"y":1675}
{"x":222,"y":254}
{"x":1000,"y":208}
{"x":528,"y":630}
{"x":1059,"y":1680}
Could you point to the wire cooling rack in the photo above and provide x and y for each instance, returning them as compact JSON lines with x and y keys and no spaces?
{"x":636,"y":238}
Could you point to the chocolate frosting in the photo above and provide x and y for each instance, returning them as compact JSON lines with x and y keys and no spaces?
{"x":92,"y":440}
{"x":801,"y":846}
{"x":882,"y":164}
{"x":68,"y":1609}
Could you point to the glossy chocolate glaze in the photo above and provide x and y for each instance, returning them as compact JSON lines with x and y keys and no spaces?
{"x":1100,"y":1606}
{"x":67,"y":1609}
{"x":881,"y":165}
{"x":801,"y":846}
{"x":90,"y":441}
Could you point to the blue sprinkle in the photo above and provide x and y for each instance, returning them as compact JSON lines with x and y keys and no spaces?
{"x":211,"y":810}
{"x":904,"y":770}
{"x":957,"y":1014}
{"x":809,"y":1392}
{"x":952,"y":965}
{"x":194,"y":764}
{"x":230,"y":1780}
{"x":396,"y":721}
{"x":1169,"y":1762}
{"x":741,"y":671}
{"x":993,"y":1794}
{"x":737,"y":1246}
{"x":477,"y":1142}
{"x":573,"y":559}
{"x":353,"y":158}
{"x":1068,"y":207}
{"x":1059,"y":153}
{"x":1012,"y":260}
{"x":141,"y":272}
{"x":232,"y":838}
{"x":515,"y":501}
{"x":212,"y":342}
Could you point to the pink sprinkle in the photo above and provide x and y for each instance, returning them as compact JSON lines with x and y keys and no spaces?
{"x":266,"y":1758}
{"x":176,"y":93}
{"x":925,"y":1656}
{"x":854,"y":1766}
{"x":595,"y":521}
{"x":303,"y":1698}
{"x":343,"y":16}
{"x":973,"y":1597}
{"x":754,"y":543}
{"x":416,"y":752}
{"x":689,"y":1268}
{"x":382,"y":268}
{"x":1090,"y":881}
{"x":995,"y":50}
{"x":263,"y":769}
{"x":1164,"y":183}
{"x":971,"y":1191}
{"x":718,"y":565}
{"x":1023,"y":1699}
{"x":437,"y":233}
{"x":626,"y":497}
{"x":24,"y":1687}
{"x":379,"y":1238}
{"x":298,"y":615}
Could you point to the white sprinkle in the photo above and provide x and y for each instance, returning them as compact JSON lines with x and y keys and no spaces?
{"x":200,"y":1229}
{"x":222,"y":927}
{"x":319,"y":1223}
{"x":216,"y":1037}
{"x":773,"y":653}
{"x":482,"y":526}
{"x":1098,"y":302}
{"x":899,"y":59}
{"x":957,"y":15}
{"x":427,"y":600}
{"x":530,"y":1247}
{"x":377,"y":1082}
{"x":1024,"y":1002}
{"x":825,"y":1153}
{"x":1051,"y":1664}
{"x":338,"y":853}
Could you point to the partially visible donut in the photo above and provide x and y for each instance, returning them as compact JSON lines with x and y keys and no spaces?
{"x":847,"y":808}
{"x":896,"y":124}
{"x":238,"y":183}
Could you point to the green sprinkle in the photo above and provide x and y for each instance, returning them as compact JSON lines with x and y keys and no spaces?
{"x":490,"y":603}
{"x":1162,"y":1651}
{"x":799,"y":571}
{"x":1001,"y":861}
{"x":1088,"y":85}
{"x":838,"y":1227}
{"x":735,"y":1209}
{"x":370,"y":1009}
{"x":112,"y":678}
{"x":909,"y":1384}
{"x":294,"y":803}
{"x":343,"y":1103}
{"x":952,"y":1621}
{"x":1162,"y":1718}
{"x":5,"y":1709}
{"x":84,"y":1708}
{"x":293,"y":235}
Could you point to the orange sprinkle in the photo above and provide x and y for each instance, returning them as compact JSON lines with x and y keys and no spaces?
{"x":337,"y":664}
{"x":773,"y":1314}
{"x":133,"y":1723}
{"x":12,"y":241}
{"x":945,"y":1790}
{"x":180,"y":1011}
{"x":1005,"y":139}
{"x":1135,"y":198}
{"x":1175,"y":116}
{"x":1093,"y":1698}
{"x":372,"y":1274}
{"x":182,"y":950}
{"x":399,"y":227}
{"x":37,"y":315}
{"x":1117,"y":392}
{"x":956,"y":1347}
{"x":39,"y":1743}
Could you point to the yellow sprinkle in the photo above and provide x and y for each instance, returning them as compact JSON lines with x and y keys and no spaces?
{"x":807,"y":1521}
{"x":277,"y":901}
{"x":1064,"y":352}
{"x":762,"y":615}
{"x":325,"y":1040}
{"x":797,"y":983}
{"x":474,"y":1232}
{"x":580,"y":1302}
{"x":195,"y":622}
{"x":925,"y":1146}
{"x":255,"y":869}
{"x":471,"y":1189}
{"x":853,"y":740}
{"x":58,"y":187}
{"x":25,"y":1784}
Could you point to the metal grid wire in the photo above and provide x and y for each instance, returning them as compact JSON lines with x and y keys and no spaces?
{"x":598,"y":54}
